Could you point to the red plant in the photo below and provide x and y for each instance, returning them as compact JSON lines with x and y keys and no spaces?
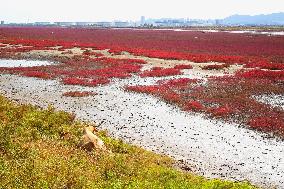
{"x":267,"y":123}
{"x":150,"y":89}
{"x":160,"y":72}
{"x":115,"y":51}
{"x":37,"y":74}
{"x":261,"y":74}
{"x":221,"y":111}
{"x":171,"y":97}
{"x":74,"y":81}
{"x":100,"y":81}
{"x":191,"y":45}
{"x":183,"y":66}
{"x":193,"y":106}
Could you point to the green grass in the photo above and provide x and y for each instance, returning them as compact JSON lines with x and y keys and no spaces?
{"x":38,"y":149}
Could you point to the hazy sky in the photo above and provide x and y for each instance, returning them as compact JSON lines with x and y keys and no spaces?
{"x":106,"y":10}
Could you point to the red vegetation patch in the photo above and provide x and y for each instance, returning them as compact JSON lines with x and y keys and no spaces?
{"x":171,"y":97}
{"x":78,"y":94}
{"x":149,"y":89}
{"x":190,"y":45}
{"x":74,"y":81}
{"x":267,"y":124}
{"x":167,"y":90}
{"x":229,"y":98}
{"x":183,"y":66}
{"x":193,"y":106}
{"x":115,"y":51}
{"x":81,"y":70}
{"x":262,"y":74}
{"x":161,"y":72}
{"x":222,"y":111}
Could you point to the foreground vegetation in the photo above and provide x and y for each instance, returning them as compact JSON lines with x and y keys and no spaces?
{"x":38,"y":149}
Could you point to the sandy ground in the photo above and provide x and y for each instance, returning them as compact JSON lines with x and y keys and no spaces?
{"x":151,"y":62}
{"x":273,"y":100}
{"x":210,"y":148}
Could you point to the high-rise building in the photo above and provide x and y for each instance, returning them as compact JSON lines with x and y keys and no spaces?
{"x":142,"y":21}
{"x":2,"y":22}
{"x":217,"y":22}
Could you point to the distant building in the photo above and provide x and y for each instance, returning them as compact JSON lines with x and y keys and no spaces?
{"x":2,"y":22}
{"x":85,"y":23}
{"x":42,"y":23}
{"x":170,"y":23}
{"x":65,"y":23}
{"x":103,"y":24}
{"x":217,"y":22}
{"x":121,"y":24}
{"x":142,"y":21}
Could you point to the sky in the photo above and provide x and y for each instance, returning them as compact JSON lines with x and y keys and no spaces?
{"x":125,"y":10}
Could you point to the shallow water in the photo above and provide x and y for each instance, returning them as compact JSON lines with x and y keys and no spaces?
{"x":257,"y":32}
{"x":215,"y":31}
{"x":211,"y":148}
{"x":23,"y":63}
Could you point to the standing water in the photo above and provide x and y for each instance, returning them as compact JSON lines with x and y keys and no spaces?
{"x":22,"y":63}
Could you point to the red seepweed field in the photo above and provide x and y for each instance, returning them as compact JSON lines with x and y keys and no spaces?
{"x":100,"y":56}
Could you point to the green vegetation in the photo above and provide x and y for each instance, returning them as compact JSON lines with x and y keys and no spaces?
{"x":38,"y":149}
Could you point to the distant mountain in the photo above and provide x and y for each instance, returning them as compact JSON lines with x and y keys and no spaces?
{"x":269,"y":19}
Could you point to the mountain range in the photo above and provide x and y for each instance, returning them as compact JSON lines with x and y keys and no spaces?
{"x":269,"y":19}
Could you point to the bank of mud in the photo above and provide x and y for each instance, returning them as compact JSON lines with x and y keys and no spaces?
{"x":211,"y":148}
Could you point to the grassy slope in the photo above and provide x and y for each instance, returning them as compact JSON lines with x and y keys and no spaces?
{"x":38,"y":150}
